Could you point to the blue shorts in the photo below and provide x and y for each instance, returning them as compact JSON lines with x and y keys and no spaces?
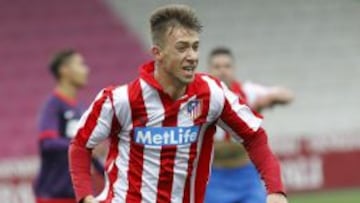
{"x":235,"y":185}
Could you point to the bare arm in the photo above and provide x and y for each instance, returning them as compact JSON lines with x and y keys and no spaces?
{"x":273,"y":96}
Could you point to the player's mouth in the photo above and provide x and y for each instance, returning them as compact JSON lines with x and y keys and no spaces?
{"x":189,"y":70}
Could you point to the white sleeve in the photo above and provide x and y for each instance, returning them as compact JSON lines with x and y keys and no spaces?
{"x":254,"y":91}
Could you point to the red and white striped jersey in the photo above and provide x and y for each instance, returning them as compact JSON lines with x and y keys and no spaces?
{"x":161,"y":149}
{"x":248,"y":93}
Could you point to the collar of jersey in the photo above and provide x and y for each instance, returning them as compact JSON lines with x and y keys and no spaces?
{"x":64,"y":98}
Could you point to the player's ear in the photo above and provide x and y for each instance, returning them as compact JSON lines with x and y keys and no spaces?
{"x":156,"y":52}
{"x":63,"y":70}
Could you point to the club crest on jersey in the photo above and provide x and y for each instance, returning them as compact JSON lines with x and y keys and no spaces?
{"x":194,"y":109}
{"x":166,"y":136}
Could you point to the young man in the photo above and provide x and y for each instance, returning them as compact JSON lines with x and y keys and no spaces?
{"x":230,"y":159}
{"x":161,"y":125}
{"x":58,"y":120}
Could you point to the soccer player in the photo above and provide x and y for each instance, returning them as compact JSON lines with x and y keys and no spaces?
{"x":162,"y":124}
{"x":230,"y":159}
{"x":58,"y":119}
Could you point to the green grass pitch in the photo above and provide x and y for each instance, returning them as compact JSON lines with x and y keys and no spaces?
{"x":343,"y":196}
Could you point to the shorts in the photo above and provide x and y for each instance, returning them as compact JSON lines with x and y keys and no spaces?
{"x":235,"y":185}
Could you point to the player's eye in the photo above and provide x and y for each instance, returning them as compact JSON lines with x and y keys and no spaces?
{"x":181,"y":49}
{"x":196,"y":47}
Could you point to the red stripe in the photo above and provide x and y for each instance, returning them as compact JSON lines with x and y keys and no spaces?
{"x":85,"y":132}
{"x":168,"y":153}
{"x":202,"y":172}
{"x":236,"y":87}
{"x":113,"y":153}
{"x":232,"y":119}
{"x":238,"y":90}
{"x":192,"y":155}
{"x":139,"y":118}
{"x":205,"y":103}
{"x":48,"y":134}
{"x":258,"y":149}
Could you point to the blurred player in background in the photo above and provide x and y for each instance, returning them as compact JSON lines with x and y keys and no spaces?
{"x":161,"y":125}
{"x":58,"y":120}
{"x":234,"y":178}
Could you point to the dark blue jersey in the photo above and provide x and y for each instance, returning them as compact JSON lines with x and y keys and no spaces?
{"x":58,"y":122}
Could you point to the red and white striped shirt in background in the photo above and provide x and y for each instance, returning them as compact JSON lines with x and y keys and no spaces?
{"x":248,"y":93}
{"x":161,"y":149}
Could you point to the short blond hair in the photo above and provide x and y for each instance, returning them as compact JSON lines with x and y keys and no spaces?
{"x":170,"y":16}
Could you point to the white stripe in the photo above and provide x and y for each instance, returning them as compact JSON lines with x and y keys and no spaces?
{"x":181,"y":157}
{"x":121,"y":184}
{"x":152,"y":157}
{"x":226,"y":128}
{"x":96,"y":137}
{"x":220,"y":134}
{"x":103,"y":124}
{"x":195,"y":166}
{"x":216,"y":104}
{"x":122,"y":106}
{"x":242,"y":110}
{"x":217,"y":99}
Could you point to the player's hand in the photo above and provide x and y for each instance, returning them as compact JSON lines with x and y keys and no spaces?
{"x":276,"y":198}
{"x":90,"y":199}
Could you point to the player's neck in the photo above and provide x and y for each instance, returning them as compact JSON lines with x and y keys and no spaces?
{"x":67,"y":90}
{"x":229,"y":82}
{"x":170,"y":85}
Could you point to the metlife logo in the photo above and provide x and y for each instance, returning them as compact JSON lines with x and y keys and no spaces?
{"x":166,"y":136}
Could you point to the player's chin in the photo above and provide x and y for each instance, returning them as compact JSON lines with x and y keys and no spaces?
{"x":187,"y":79}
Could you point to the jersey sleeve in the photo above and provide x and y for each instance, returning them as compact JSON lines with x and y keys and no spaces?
{"x":97,"y":123}
{"x":239,"y":120}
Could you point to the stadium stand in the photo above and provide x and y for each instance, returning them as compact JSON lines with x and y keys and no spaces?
{"x":30,"y":32}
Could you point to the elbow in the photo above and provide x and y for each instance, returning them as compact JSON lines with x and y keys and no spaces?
{"x":76,"y":149}
{"x":258,"y":138}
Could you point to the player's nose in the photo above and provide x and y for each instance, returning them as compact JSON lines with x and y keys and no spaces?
{"x":192,"y":56}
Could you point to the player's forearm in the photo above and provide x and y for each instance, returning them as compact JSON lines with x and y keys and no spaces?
{"x":79,"y":166}
{"x":265,"y":162}
{"x":281,"y":95}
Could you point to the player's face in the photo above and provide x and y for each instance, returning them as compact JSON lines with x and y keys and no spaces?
{"x":179,"y":55}
{"x":222,"y":67}
{"x":76,"y":71}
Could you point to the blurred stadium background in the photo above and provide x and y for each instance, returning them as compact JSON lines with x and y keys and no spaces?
{"x":312,"y":47}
